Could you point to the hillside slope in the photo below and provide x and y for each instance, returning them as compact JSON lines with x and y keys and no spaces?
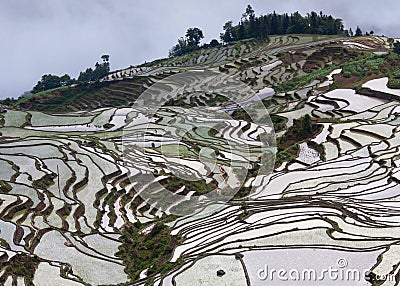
{"x":93,"y":186}
{"x":257,"y":63}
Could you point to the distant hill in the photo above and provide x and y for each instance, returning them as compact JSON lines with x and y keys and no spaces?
{"x":304,"y":58}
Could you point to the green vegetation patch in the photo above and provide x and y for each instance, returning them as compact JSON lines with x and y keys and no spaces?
{"x":303,"y":80}
{"x":373,"y":66}
{"x":200,"y":187}
{"x":394,"y":76}
{"x":279,"y":122}
{"x":44,"y":182}
{"x":288,"y":145}
{"x":150,"y":251}
{"x":20,"y":265}
{"x":364,"y":66}
{"x":354,"y":71}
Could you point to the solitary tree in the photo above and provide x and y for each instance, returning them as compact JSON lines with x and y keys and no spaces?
{"x":188,"y":44}
{"x":179,"y":49}
{"x":351,"y":32}
{"x":227,"y":36}
{"x":193,"y":36}
{"x":358,"y":32}
{"x":249,"y":13}
{"x":214,"y":43}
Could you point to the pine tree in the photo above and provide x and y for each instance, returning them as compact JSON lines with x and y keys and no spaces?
{"x":359,"y":33}
{"x":227,"y":36}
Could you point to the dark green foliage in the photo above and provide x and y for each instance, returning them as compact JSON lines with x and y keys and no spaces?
{"x":244,"y":211}
{"x":105,"y":58}
{"x":299,"y":81}
{"x":100,"y":71}
{"x":241,"y":114}
{"x":180,"y":48}
{"x":390,"y":66}
{"x":229,"y":34}
{"x":193,"y":36}
{"x":152,"y":251}
{"x":8,"y":101}
{"x":288,"y":145}
{"x":361,"y":67}
{"x":396,"y":48}
{"x":286,"y":155}
{"x":260,"y":27}
{"x":173,"y":183}
{"x":108,"y":126}
{"x":188,"y":44}
{"x":20,"y":265}
{"x":394,"y":79}
{"x":45,"y":182}
{"x":279,"y":122}
{"x":50,"y":81}
{"x":242,"y":192}
{"x":302,"y":129}
{"x":249,"y":13}
{"x":358,"y":32}
{"x":306,"y":125}
{"x":213,"y":43}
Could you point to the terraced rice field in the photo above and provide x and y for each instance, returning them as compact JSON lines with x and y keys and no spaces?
{"x":181,"y":184}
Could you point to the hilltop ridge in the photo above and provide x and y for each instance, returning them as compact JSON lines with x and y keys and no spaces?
{"x":294,"y":56}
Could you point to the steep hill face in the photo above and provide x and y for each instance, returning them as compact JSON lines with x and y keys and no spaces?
{"x":95,"y":188}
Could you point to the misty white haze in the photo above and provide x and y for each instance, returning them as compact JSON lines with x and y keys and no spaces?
{"x":67,"y":36}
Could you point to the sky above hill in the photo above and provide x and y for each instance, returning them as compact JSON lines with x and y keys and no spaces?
{"x":67,"y":36}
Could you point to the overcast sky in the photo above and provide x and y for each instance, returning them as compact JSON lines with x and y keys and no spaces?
{"x":67,"y":36}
